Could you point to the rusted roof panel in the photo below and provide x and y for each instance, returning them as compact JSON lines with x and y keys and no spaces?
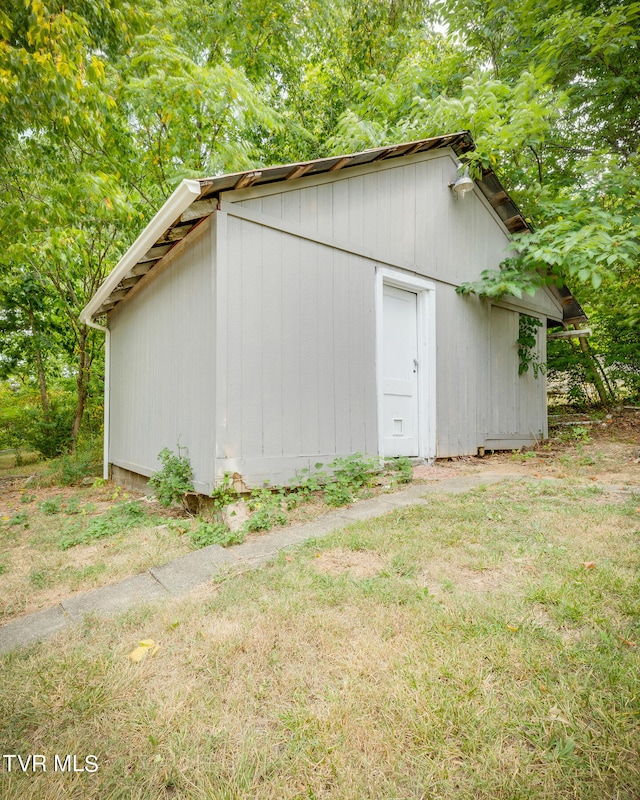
{"x":210,"y":188}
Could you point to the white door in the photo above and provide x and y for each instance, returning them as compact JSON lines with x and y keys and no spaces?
{"x":400,"y":372}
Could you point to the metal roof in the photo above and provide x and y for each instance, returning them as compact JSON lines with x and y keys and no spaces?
{"x":196,"y":199}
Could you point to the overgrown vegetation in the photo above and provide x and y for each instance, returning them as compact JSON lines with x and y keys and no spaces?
{"x":171,"y":483}
{"x":207,"y":533}
{"x":339,"y":483}
{"x":117,"y":519}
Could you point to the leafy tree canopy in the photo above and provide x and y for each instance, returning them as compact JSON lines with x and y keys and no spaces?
{"x":105,"y":105}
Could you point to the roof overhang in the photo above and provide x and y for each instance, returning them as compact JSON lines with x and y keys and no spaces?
{"x":143,"y":254}
{"x":195,"y":199}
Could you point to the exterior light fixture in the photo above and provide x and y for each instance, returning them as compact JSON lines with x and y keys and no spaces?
{"x":463,"y":185}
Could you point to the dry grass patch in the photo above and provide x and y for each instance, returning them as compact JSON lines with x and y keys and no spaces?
{"x":333,"y":673}
{"x":39,"y":566}
{"x":443,"y":578}
{"x":358,"y":563}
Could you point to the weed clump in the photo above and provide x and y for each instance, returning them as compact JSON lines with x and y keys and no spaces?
{"x":171,"y":483}
{"x":119,"y":518}
{"x":208,"y":533}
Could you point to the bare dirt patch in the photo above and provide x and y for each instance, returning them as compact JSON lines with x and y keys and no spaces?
{"x":358,"y":563}
{"x":540,"y":618}
{"x":444,"y":578}
{"x":605,"y":450}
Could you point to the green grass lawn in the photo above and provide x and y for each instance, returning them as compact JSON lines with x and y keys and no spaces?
{"x":57,"y":541}
{"x":481,"y":646}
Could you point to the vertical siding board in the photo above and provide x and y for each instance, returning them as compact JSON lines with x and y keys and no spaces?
{"x":221,"y":333}
{"x":542,"y":401}
{"x":367,"y":388}
{"x":482,"y":311}
{"x":369,"y":362}
{"x":291,"y":207}
{"x":340,"y":215}
{"x":342,"y":347}
{"x":326,"y":371}
{"x":307,"y":388}
{"x":272,"y":205}
{"x":309,"y":207}
{"x":252,"y":391}
{"x":357,"y":352}
{"x":476,"y":355}
{"x":272,"y":355}
{"x":408,"y":213}
{"x":381,"y":240}
{"x":511,"y":378}
{"x":430,"y":237}
{"x":355,"y":211}
{"x":233,"y":444}
{"x":423,"y":259}
{"x":370,"y":209}
{"x":290,"y":324}
{"x":444,"y":356}
{"x":466,"y":378}
{"x":325,"y":209}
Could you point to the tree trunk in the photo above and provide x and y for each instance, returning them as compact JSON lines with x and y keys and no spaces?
{"x":605,"y":377}
{"x":82,"y":385}
{"x":592,"y":369}
{"x":42,"y":381}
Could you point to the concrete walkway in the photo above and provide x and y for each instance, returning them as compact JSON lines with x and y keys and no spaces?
{"x":189,"y":572}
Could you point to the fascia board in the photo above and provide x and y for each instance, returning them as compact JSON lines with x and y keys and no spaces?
{"x":175,"y":205}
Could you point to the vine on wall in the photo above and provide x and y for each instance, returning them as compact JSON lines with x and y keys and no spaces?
{"x":527,"y":346}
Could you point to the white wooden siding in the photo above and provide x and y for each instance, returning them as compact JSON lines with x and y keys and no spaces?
{"x":462,"y":380}
{"x":163,"y":367}
{"x":517,"y":406}
{"x":299,"y":354}
{"x":406,"y":210}
{"x":266,"y":364}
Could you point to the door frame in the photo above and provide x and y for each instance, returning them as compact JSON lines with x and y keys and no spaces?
{"x":426,"y":324}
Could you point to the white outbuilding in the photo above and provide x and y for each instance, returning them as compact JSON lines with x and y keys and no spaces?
{"x":276,"y":318}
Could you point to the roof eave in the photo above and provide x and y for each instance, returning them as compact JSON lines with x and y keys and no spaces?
{"x":175,"y":205}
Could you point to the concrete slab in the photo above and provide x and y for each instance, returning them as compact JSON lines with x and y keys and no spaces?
{"x":324,"y":525}
{"x":288,"y":537}
{"x":33,"y":628}
{"x":195,"y":569}
{"x":258,"y":550}
{"x":116,"y":597}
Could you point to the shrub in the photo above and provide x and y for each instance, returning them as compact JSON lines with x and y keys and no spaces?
{"x":173,"y":481}
{"x":22,"y":423}
{"x":69,"y":470}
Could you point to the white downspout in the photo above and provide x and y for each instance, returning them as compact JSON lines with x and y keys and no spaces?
{"x":107,"y":391}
